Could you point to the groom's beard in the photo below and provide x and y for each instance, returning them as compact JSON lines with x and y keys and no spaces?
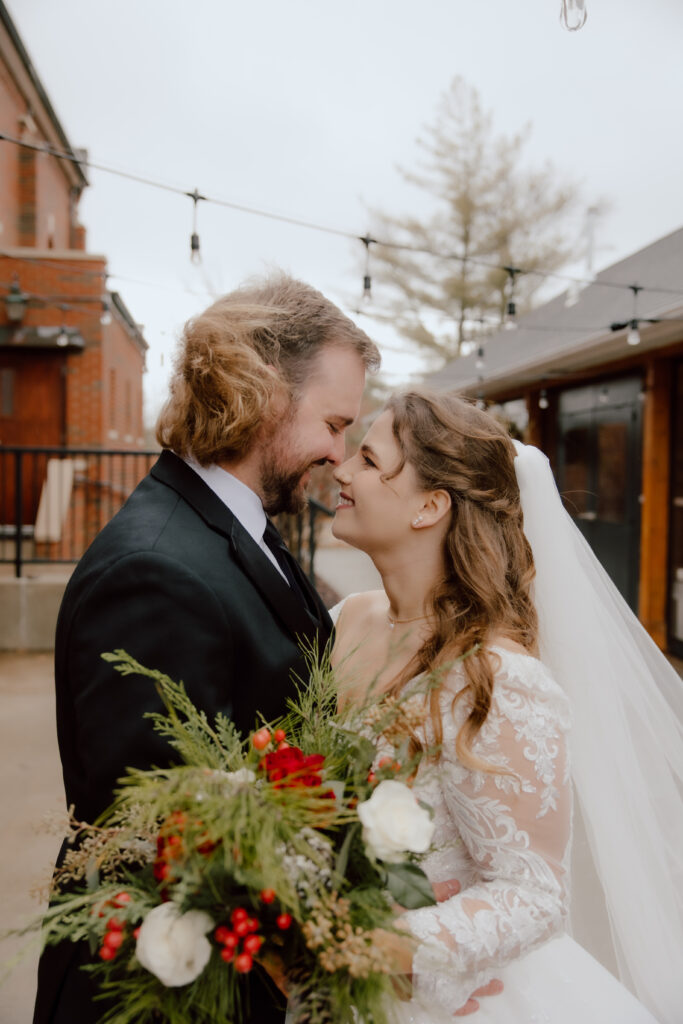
{"x":281,"y":486}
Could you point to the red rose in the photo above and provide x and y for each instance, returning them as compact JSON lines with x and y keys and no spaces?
{"x":292,"y":765}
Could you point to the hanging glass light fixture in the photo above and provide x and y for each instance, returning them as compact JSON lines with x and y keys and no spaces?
{"x":573,"y":14}
{"x":367,"y":278}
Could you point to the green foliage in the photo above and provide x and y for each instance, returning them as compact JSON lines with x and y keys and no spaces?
{"x":408,"y":885}
{"x":214,"y":832}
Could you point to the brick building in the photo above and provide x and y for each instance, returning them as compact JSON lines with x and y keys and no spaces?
{"x":71,"y":355}
{"x":71,"y":363}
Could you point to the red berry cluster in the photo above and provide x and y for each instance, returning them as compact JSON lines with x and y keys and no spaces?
{"x":115,"y":933}
{"x":244,"y":929}
{"x":262,"y":738}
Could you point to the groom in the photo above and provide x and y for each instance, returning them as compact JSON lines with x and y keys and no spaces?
{"x":191,"y":577}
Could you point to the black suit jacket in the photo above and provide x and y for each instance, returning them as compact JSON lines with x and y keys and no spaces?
{"x":176,"y":581}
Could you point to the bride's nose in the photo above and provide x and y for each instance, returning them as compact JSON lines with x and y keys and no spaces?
{"x":341,"y":473}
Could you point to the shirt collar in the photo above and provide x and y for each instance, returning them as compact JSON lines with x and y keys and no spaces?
{"x":244,"y":503}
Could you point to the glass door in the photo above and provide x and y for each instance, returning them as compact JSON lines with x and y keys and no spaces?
{"x":676,"y":521}
{"x":599,"y":474}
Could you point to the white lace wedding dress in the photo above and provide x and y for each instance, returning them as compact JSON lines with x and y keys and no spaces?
{"x":506,"y":837}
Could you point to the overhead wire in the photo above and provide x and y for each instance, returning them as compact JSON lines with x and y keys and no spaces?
{"x":194,"y":195}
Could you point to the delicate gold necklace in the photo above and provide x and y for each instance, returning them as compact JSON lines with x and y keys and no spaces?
{"x":393,"y":622}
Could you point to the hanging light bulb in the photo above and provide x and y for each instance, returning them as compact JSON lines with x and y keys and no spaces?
{"x":63,"y":338}
{"x":543,"y":402}
{"x":603,"y":397}
{"x":510,"y":323}
{"x":105,"y":316}
{"x":479,"y":365}
{"x":195,"y":254}
{"x":367,"y":279}
{"x":573,"y":14}
{"x":633,"y":336}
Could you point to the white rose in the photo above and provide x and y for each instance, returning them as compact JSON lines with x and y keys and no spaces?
{"x":394,"y":823}
{"x":173,"y":946}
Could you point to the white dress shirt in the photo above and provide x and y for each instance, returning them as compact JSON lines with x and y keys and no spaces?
{"x":244,"y":503}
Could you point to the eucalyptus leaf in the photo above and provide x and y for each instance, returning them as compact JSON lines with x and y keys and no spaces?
{"x":409,"y":885}
{"x":343,"y":855}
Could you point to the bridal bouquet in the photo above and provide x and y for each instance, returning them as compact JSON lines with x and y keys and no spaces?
{"x":289,"y":848}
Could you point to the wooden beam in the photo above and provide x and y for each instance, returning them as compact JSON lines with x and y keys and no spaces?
{"x":654,"y":528}
{"x":535,"y":425}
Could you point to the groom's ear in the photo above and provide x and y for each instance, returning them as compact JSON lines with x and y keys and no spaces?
{"x":437,"y":505}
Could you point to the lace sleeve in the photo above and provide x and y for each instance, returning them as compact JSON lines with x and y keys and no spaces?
{"x":516,"y":828}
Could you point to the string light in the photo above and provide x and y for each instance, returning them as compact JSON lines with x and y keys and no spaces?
{"x":195,"y":254}
{"x":367,"y":280}
{"x":543,"y":402}
{"x":298,"y":222}
{"x":573,"y":14}
{"x":633,"y":336}
{"x":511,"y":309}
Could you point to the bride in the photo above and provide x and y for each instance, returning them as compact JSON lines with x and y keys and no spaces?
{"x":477,"y":555}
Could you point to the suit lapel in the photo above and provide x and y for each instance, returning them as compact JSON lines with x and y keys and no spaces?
{"x":174,"y":472}
{"x":273,"y":588}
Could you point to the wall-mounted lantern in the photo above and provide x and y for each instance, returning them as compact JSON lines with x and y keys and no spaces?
{"x":16,"y":302}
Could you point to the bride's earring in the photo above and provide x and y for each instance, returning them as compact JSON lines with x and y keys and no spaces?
{"x":417,"y":520}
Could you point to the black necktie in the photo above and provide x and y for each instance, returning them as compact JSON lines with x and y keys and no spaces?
{"x":284,"y":558}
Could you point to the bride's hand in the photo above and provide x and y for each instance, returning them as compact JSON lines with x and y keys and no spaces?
{"x":494,"y":988}
{"x":444,"y":890}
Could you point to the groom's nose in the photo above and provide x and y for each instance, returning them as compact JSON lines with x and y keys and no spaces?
{"x":336,"y":450}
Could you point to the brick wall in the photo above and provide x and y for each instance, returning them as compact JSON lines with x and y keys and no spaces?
{"x":104,"y":380}
{"x":36,"y":204}
{"x":44,"y":245}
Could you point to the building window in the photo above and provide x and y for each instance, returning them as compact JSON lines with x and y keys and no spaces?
{"x":6,"y":392}
{"x":128,"y":407}
{"x":112,"y":398}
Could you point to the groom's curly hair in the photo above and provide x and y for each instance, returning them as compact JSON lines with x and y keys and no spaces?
{"x":454,"y":446}
{"x":244,"y":360}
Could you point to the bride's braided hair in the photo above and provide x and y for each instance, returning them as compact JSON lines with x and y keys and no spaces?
{"x":456,"y":447}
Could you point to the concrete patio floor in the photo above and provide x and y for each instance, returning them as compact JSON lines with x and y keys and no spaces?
{"x":30,"y":792}
{"x":31,"y":783}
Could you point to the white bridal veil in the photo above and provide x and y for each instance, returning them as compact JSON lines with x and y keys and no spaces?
{"x":627,"y":740}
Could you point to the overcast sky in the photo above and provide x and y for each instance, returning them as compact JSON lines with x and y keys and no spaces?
{"x":306,"y":107}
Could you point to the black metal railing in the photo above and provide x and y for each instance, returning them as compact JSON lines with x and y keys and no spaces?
{"x":54,"y":501}
{"x":300,"y":532}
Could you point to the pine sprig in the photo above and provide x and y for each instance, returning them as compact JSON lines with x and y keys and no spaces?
{"x":185,"y":727}
{"x":215,"y":832}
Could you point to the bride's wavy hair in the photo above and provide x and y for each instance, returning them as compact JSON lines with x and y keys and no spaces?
{"x":456,"y":447}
